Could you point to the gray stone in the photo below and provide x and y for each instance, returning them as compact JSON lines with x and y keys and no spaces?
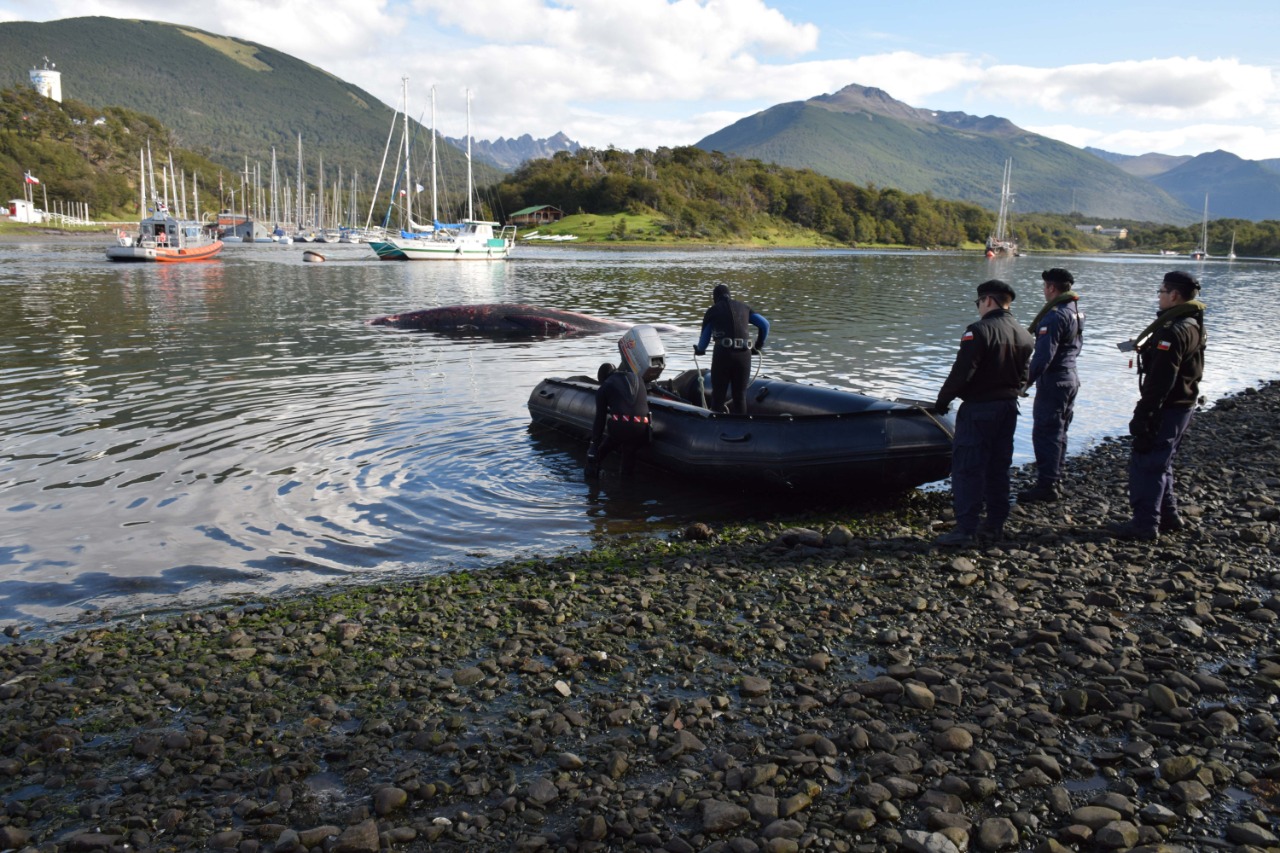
{"x":719,"y":816}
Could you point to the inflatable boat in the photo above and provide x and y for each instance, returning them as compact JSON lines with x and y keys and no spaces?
{"x":793,"y":435}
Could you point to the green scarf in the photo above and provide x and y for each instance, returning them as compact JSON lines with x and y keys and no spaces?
{"x":1168,"y":317}
{"x":1069,"y":296}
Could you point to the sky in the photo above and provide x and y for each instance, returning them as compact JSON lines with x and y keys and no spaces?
{"x":1130,"y":77}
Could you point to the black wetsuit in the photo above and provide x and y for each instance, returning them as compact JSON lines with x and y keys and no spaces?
{"x":622,"y":419}
{"x":725,"y":327}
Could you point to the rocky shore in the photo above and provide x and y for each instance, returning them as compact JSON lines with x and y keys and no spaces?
{"x":840,"y":684}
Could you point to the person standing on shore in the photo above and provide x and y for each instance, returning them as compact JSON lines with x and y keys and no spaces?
{"x":1058,"y":331}
{"x":1170,"y":365}
{"x":725,"y":324}
{"x":989,"y":373}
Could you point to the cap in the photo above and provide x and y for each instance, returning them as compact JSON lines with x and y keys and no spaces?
{"x":1185,"y":282}
{"x":721,"y":292}
{"x":1058,"y":275}
{"x":996,"y":287}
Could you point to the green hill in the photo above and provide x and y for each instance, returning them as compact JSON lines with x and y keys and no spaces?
{"x":862,"y":135}
{"x":222,"y":98}
{"x":1237,"y":188}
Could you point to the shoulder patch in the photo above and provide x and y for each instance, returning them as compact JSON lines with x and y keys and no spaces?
{"x":968,"y":335}
{"x":1044,"y":330}
{"x":1164,"y":345}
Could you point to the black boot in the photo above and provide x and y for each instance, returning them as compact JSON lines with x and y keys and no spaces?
{"x":1040,"y":493}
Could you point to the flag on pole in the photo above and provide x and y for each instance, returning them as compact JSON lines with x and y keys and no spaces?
{"x":30,"y":178}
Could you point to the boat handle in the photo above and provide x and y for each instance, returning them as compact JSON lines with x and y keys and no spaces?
{"x":546,"y":394}
{"x":746,"y":436}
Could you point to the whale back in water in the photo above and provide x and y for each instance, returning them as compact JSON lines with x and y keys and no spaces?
{"x":501,"y":318}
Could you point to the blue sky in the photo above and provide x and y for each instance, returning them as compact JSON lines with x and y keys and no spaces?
{"x":1131,"y":77}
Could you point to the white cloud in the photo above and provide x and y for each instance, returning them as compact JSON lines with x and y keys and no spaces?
{"x":1159,"y":89}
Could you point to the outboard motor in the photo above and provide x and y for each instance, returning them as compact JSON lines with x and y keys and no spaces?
{"x":643,"y":352}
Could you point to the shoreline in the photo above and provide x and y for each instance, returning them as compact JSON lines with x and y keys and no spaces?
{"x":845,"y":686}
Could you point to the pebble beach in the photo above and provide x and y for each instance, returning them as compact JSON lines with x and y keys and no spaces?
{"x":824,"y":683}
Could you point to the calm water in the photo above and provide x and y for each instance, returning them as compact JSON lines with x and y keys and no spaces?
{"x":175,"y":436}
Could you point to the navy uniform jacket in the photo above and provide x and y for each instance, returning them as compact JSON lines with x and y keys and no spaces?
{"x":1059,"y":337}
{"x":991,"y":363}
{"x":1171,"y":364}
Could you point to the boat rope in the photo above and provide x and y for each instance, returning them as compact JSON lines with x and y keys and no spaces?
{"x":759,"y":364}
{"x":950,"y":433}
{"x":702,"y":383}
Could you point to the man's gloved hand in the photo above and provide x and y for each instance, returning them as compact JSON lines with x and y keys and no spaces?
{"x":593,"y":451}
{"x":941,"y":408}
{"x":699,"y":351}
{"x":755,"y":350}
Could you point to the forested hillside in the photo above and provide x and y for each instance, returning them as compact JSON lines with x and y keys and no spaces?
{"x":717,"y":197}
{"x":86,"y":155}
{"x":223,"y":98}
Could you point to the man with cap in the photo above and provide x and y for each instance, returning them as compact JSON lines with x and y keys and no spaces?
{"x":1058,"y":331}
{"x":1170,"y":365}
{"x":989,"y":373}
{"x":725,"y":324}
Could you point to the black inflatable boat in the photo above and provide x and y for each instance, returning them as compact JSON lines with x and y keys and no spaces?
{"x":794,"y":435}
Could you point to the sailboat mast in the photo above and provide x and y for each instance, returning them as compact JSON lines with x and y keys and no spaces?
{"x":435,"y":214}
{"x":470,"y":211}
{"x":408,"y":199}
{"x":299,"y":182}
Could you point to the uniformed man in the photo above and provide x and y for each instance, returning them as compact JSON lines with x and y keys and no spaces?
{"x":1058,"y":331}
{"x":725,"y":324}
{"x":622,"y":419}
{"x":1170,"y":365}
{"x":989,"y":373}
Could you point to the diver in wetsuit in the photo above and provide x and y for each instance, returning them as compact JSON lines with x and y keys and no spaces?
{"x":622,"y":402}
{"x":726,"y":323}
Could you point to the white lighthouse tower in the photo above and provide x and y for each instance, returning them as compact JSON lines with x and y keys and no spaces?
{"x":47,"y":81}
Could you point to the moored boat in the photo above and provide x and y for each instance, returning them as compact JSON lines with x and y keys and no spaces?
{"x":1002,"y":243}
{"x":793,"y":435}
{"x":162,"y":238}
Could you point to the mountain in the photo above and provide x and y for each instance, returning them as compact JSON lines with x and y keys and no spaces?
{"x":1142,"y":165}
{"x":224,"y":98}
{"x":861,"y":134}
{"x":1237,"y":188}
{"x":508,"y":154}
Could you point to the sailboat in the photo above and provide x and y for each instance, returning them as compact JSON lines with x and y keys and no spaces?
{"x":470,"y":239}
{"x":1001,"y":243}
{"x":1202,"y":251}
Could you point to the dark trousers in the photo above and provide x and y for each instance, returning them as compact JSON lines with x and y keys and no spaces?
{"x":1051,"y":415}
{"x":626,"y":438}
{"x":1151,"y":492}
{"x":980,"y":460}
{"x":730,"y":369}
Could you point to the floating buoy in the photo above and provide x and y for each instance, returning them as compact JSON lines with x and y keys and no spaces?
{"x":312,"y":257}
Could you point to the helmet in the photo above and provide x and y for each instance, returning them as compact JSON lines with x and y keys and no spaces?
{"x":642,"y":352}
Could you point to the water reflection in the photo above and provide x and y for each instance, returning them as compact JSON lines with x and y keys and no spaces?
{"x":173,"y":435}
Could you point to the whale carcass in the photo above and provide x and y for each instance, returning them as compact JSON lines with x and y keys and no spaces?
{"x":501,"y":318}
